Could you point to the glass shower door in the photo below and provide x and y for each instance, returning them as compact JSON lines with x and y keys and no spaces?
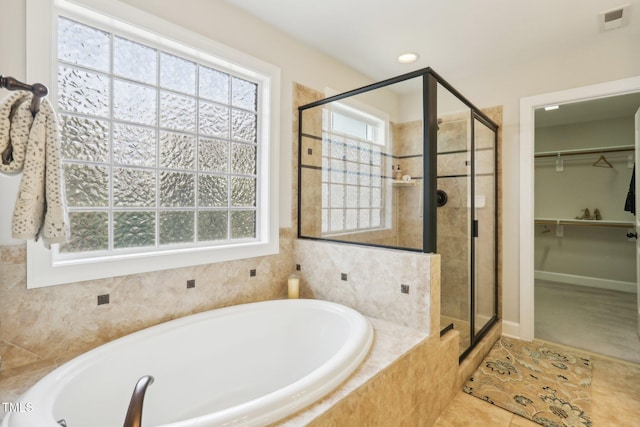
{"x":484,"y":214}
{"x":454,"y":213}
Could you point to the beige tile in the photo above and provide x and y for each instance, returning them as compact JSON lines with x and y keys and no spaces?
{"x":426,"y":413}
{"x":518,"y":421}
{"x":611,"y":374}
{"x":13,"y":356}
{"x":614,"y":408}
{"x":615,"y":392}
{"x":13,"y":386}
{"x":466,"y":410}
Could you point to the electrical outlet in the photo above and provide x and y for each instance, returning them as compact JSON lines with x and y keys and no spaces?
{"x":103,"y":299}
{"x":298,"y":267}
{"x":252,"y":273}
{"x":343,"y":276}
{"x":404,"y":289}
{"x":191,"y":283}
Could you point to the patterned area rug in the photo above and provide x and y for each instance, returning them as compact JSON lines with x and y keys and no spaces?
{"x":545,"y":384}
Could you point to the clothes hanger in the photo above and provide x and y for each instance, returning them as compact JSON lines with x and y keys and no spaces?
{"x":602,"y":162}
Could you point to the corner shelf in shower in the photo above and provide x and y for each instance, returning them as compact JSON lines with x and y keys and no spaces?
{"x":403,"y":183}
{"x":584,"y":222}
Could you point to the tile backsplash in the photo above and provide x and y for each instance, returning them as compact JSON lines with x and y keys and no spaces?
{"x":51,"y":322}
{"x":44,"y":323}
{"x":370,"y":279}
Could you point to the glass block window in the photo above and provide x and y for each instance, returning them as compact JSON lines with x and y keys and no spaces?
{"x":159,"y":150}
{"x":352,"y":184}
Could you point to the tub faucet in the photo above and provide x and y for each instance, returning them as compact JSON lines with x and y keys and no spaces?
{"x":134,"y":413}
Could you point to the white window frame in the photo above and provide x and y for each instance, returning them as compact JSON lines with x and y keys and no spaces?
{"x":43,"y":267}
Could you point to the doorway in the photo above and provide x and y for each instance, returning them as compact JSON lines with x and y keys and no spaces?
{"x":527,"y":184}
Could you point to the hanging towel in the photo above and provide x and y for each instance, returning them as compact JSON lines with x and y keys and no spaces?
{"x":15,"y":123}
{"x":40,"y":209}
{"x":630,"y":203}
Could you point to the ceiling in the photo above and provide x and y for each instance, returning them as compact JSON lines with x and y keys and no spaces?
{"x":455,"y":37}
{"x":586,"y":111}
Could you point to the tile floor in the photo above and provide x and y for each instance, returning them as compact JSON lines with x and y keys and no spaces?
{"x":615,"y":393}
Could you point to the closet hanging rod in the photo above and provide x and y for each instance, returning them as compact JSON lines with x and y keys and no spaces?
{"x":579,"y":151}
{"x":39,"y":90}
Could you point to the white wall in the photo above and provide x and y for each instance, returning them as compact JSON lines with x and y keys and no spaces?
{"x":614,"y":56}
{"x":580,"y":185}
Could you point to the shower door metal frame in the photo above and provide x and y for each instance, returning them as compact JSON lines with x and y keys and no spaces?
{"x":429,"y":187}
{"x":474,"y":226}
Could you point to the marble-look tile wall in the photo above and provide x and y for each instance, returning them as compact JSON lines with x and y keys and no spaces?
{"x":47,"y":323}
{"x":407,"y":151}
{"x":370,"y":280}
{"x":311,"y":157}
{"x":413,"y":391}
{"x":453,"y":218}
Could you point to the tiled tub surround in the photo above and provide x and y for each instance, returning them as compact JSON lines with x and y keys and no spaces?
{"x":407,"y":379}
{"x":410,"y":375}
{"x":257,"y":362}
{"x":371,"y":281}
{"x":46,"y":324}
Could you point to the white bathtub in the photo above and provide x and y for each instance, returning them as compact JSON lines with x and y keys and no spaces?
{"x":248,"y":365}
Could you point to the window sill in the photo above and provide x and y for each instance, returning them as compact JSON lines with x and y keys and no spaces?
{"x":43,"y":271}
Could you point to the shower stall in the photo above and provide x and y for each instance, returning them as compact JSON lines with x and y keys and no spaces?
{"x":408,"y":163}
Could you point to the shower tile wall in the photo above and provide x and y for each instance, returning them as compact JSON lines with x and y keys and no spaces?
{"x":373,"y":280}
{"x":453,"y":218}
{"x":312,"y":175}
{"x":407,"y":152}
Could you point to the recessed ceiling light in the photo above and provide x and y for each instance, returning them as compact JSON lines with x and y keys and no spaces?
{"x":551,"y":107}
{"x":407,"y":58}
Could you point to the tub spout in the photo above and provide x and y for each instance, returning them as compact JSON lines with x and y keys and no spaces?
{"x":134,"y":413}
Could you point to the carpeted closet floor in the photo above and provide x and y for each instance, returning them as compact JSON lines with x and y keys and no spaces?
{"x":596,"y":320}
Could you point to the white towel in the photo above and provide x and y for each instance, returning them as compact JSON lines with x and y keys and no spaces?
{"x":40,"y":208}
{"x":15,"y":123}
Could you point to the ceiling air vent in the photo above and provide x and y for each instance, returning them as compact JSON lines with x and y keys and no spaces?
{"x":614,"y":18}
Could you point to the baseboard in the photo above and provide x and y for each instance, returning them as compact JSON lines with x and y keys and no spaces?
{"x":510,"y":329}
{"x":592,"y":282}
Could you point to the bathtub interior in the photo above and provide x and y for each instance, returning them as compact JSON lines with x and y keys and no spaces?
{"x":224,"y":362}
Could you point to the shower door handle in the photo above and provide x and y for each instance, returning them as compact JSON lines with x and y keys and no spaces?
{"x":474,"y":230}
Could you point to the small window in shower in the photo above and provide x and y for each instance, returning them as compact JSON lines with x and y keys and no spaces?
{"x":352,"y":186}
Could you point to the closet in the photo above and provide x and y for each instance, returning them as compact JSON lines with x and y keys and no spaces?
{"x":584,"y":239}
{"x":582,"y":176}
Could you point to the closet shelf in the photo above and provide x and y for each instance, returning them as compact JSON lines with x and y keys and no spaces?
{"x":584,"y":222}
{"x":612,"y":149}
